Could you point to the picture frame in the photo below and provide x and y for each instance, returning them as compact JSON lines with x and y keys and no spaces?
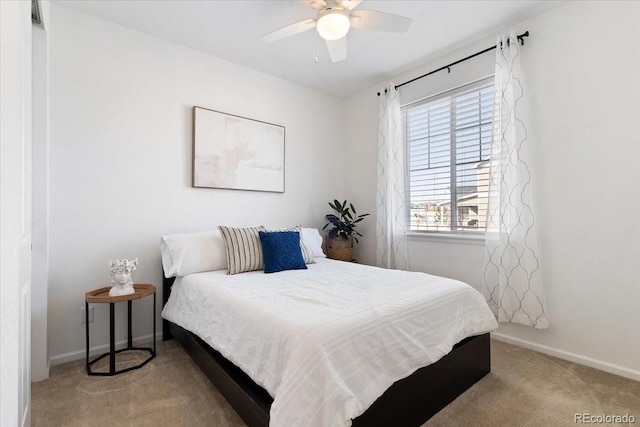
{"x":237,"y":153}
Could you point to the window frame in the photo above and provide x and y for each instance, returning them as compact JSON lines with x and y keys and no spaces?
{"x":457,"y":235}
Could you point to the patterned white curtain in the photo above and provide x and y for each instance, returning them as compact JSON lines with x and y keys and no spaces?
{"x":512,"y":276}
{"x":391,"y":214}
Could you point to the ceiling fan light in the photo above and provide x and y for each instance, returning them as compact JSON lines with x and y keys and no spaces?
{"x":333,"y":24}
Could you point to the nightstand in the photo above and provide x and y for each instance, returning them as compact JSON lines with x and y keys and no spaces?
{"x":101,"y":296}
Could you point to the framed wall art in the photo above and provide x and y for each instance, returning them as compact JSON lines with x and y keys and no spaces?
{"x":237,"y":153}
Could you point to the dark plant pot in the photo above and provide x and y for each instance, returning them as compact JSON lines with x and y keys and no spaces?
{"x":340,"y":248}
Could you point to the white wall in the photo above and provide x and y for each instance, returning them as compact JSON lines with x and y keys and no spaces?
{"x":582,"y":66}
{"x":120,"y":161}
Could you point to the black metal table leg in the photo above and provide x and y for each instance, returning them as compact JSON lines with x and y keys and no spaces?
{"x":86,"y":324}
{"x":112,"y":339}
{"x":129,"y":334}
{"x":154,"y":324}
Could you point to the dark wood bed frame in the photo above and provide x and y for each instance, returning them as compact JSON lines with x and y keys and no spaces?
{"x":408,"y":402}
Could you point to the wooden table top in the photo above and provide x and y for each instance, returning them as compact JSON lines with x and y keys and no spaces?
{"x":102,"y":295}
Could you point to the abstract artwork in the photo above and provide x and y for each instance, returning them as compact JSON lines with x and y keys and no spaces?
{"x":237,"y":153}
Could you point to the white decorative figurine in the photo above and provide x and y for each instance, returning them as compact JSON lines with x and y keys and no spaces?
{"x":121,"y":282}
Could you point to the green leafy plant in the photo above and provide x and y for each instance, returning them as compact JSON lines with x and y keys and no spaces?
{"x":345,"y":222}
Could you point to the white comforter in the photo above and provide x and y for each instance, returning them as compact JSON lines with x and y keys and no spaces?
{"x":328,"y":341}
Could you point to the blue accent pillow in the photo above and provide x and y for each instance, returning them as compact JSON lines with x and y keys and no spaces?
{"x":281,"y":251}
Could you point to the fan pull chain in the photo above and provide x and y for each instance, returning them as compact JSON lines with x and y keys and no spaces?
{"x":315,"y":47}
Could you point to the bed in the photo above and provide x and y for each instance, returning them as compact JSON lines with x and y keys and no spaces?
{"x":334,"y":344}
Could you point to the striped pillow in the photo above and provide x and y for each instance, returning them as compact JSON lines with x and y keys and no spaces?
{"x":307,"y":254}
{"x":244,"y":250}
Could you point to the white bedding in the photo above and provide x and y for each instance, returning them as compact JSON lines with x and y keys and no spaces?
{"x":328,"y":341}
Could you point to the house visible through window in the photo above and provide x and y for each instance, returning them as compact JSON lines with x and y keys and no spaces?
{"x":448,"y":141}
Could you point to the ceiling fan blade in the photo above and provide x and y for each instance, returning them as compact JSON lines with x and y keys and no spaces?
{"x":337,"y":49}
{"x":316,"y":4}
{"x":350,"y":4}
{"x":290,"y":30}
{"x":379,"y":21}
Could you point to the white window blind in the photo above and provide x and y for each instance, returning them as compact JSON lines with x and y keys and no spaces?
{"x":448,"y":139}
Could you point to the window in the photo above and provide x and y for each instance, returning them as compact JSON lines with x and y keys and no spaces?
{"x":448,"y":139}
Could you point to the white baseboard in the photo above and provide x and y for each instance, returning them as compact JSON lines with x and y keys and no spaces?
{"x":571,"y":357}
{"x":39,"y":374}
{"x":93,"y":351}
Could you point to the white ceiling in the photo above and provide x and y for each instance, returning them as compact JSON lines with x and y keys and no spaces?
{"x":232,"y":30}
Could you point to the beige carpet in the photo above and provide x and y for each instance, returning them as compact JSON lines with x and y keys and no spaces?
{"x":524,"y":389}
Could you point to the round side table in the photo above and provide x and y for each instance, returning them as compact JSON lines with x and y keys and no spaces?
{"x":101,"y":296}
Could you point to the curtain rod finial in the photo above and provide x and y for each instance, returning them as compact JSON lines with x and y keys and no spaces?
{"x":522,"y":36}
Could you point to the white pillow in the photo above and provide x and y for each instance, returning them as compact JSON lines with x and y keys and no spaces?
{"x":307,"y":254}
{"x":312,"y":239}
{"x":184,"y":254}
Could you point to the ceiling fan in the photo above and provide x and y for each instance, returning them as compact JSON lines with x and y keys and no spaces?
{"x":335,"y":18}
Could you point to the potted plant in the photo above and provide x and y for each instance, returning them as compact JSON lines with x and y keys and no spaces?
{"x":343,"y":232}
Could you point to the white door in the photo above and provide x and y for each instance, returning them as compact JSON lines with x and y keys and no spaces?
{"x":15,"y":212}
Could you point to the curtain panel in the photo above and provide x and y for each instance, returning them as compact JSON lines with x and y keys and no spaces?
{"x":391,"y":213}
{"x":513,"y":282}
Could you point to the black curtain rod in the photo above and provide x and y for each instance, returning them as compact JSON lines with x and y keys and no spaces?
{"x":448,"y":66}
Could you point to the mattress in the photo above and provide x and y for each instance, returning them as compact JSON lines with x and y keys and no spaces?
{"x":326,"y":342}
